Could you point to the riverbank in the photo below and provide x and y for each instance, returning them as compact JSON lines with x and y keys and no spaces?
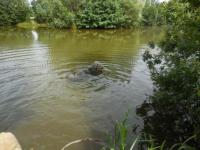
{"x":31,"y":25}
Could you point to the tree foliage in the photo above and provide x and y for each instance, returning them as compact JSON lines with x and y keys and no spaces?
{"x":176,"y":75}
{"x":13,"y":12}
{"x":52,"y":12}
{"x":150,"y":13}
{"x":100,"y":14}
{"x":73,"y":5}
{"x":88,"y":13}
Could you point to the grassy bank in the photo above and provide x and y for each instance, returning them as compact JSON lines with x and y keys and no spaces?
{"x":31,"y":25}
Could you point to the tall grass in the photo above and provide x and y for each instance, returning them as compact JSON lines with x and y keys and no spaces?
{"x":143,"y":141}
{"x":119,"y":140}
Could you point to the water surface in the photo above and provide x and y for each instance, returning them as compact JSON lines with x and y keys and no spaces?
{"x":45,"y":108}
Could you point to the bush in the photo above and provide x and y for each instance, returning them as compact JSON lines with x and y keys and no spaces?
{"x":173,"y":10}
{"x":131,"y":12}
{"x":154,"y":13}
{"x":73,"y":5}
{"x":107,"y":14}
{"x":99,"y":14}
{"x":13,"y":12}
{"x":53,"y":13}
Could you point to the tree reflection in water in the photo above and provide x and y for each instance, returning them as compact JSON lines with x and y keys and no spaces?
{"x":169,"y":121}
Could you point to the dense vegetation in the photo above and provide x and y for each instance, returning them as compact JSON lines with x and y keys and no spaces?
{"x":176,"y":74}
{"x":89,"y":13}
{"x":123,"y":139}
{"x":13,"y":12}
{"x":175,"y":70}
{"x":52,"y":12}
{"x":86,"y":13}
{"x":153,"y":13}
{"x":101,"y":13}
{"x":108,"y":14}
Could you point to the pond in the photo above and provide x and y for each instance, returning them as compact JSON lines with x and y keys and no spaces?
{"x":45,"y":108}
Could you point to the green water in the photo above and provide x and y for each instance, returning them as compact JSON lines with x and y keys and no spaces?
{"x":45,"y":108}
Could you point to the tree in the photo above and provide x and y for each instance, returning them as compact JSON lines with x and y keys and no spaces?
{"x":154,"y":13}
{"x":108,"y":14}
{"x":176,"y":74}
{"x":53,"y":13}
{"x":13,"y":12}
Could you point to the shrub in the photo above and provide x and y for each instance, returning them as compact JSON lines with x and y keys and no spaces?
{"x":154,"y":13}
{"x":53,"y":13}
{"x":173,"y":10}
{"x":131,"y":12}
{"x":107,"y":14}
{"x":99,"y":14}
{"x":73,"y":5}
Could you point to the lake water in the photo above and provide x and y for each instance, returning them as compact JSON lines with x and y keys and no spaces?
{"x":45,"y":107}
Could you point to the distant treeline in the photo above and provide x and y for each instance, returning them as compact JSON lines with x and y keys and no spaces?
{"x":88,"y":13}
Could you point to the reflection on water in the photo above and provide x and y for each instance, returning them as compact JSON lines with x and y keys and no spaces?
{"x":35,"y":35}
{"x":44,"y":108}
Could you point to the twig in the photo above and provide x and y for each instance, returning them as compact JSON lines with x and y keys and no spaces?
{"x":134,"y":143}
{"x":96,"y":141}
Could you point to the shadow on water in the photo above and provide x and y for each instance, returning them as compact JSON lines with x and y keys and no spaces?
{"x":170,"y":121}
{"x":50,"y":109}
